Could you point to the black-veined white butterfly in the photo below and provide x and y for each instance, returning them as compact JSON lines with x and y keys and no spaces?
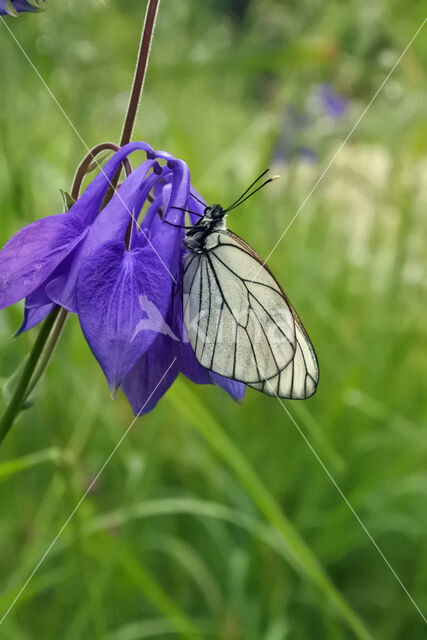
{"x":239,"y":321}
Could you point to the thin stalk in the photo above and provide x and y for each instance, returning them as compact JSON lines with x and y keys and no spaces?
{"x":140,"y":71}
{"x":49,"y":348}
{"x":137,"y":86}
{"x":18,"y":398}
{"x":52,"y":326}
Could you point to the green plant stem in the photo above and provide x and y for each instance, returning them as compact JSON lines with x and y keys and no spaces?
{"x":49,"y":348}
{"x":50,"y":331}
{"x":20,"y":394}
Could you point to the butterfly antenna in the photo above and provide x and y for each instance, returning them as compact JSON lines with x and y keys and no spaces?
{"x":248,"y":189}
{"x":187,"y":211}
{"x":240,"y":201}
{"x":198,"y":199}
{"x":172,"y":224}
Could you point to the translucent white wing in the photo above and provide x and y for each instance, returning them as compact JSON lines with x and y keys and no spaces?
{"x":239,"y":322}
{"x":298,"y":380}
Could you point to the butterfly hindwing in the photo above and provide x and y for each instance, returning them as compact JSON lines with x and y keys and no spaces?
{"x":298,"y":380}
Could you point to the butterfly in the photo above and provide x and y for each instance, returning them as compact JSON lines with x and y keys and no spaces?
{"x":239,"y":321}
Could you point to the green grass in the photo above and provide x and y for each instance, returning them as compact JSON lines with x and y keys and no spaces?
{"x":215,"y":519}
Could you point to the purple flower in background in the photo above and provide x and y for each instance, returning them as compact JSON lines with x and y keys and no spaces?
{"x":13,"y":7}
{"x":120,"y":276}
{"x":304,"y":129}
{"x":333,"y":104}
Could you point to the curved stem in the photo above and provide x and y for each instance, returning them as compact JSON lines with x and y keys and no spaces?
{"x":85,"y":165}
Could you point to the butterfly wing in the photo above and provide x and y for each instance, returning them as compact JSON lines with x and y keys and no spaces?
{"x":299,"y":379}
{"x":239,"y":322}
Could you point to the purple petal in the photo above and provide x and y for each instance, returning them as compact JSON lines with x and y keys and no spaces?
{"x":37,"y":298}
{"x":193,"y":201}
{"x":10,"y":7}
{"x":234,"y":388}
{"x":25,"y":5}
{"x":37,"y":304}
{"x":33,"y":253}
{"x":33,"y":316}
{"x":333,"y":104}
{"x":191,"y":367}
{"x":180,"y":188}
{"x":89,"y":203}
{"x":168,"y":242}
{"x":62,"y":289}
{"x":110,"y":225}
{"x":109,"y":287}
{"x":4,"y":8}
{"x":152,"y":376}
{"x":152,"y":220}
{"x":37,"y":307}
{"x":193,"y":370}
{"x":167,"y":239}
{"x":192,"y":205}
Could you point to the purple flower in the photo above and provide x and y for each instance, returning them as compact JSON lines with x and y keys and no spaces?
{"x":120,"y":276}
{"x":303,"y":129}
{"x":13,"y":7}
{"x":331,"y":102}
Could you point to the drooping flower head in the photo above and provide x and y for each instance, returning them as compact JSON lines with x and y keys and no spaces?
{"x":120,"y":275}
{"x":13,"y":7}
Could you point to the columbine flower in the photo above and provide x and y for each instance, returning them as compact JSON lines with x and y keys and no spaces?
{"x":111,"y":270}
{"x":13,"y":7}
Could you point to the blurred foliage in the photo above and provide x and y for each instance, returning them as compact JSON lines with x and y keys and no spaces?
{"x":171,"y":541}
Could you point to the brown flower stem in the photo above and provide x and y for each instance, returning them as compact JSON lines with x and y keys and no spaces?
{"x":89,"y":163}
{"x":140,"y":71}
{"x":137,"y":85}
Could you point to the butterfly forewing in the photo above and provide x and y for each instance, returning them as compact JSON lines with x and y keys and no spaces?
{"x":239,"y":322}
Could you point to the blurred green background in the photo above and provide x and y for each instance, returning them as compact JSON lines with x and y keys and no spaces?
{"x":214,"y":519}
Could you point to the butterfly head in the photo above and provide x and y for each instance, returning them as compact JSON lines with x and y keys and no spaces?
{"x":215,"y":212}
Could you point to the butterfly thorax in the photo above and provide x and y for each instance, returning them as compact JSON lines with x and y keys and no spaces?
{"x":213,"y":220}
